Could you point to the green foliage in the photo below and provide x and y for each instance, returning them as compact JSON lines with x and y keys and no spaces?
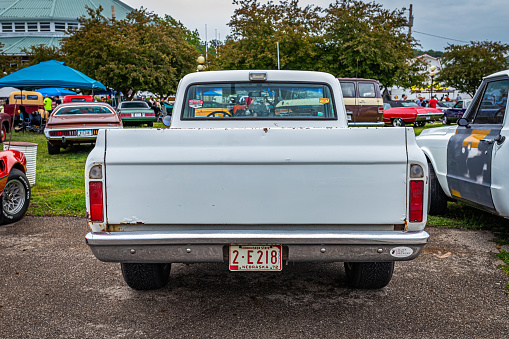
{"x":350,"y":38}
{"x":430,"y":52}
{"x":256,"y":28}
{"x":142,"y":52}
{"x":464,"y":66}
{"x":40,"y":53}
{"x":365,"y":40}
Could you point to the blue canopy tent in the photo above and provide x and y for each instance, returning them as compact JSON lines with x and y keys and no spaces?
{"x":55,"y":91}
{"x":50,"y":74}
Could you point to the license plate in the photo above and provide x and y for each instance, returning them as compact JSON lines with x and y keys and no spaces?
{"x":84,"y":132}
{"x":255,"y":258}
{"x":137,"y":115}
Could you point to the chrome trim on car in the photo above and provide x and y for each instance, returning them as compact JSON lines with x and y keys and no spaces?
{"x":432,"y":116}
{"x":207,"y":246}
{"x":366,"y":124}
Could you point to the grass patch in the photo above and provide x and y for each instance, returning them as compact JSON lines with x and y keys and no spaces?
{"x":60,"y":179}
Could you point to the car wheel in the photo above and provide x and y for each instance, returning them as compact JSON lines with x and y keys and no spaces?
{"x":3,"y":133}
{"x":53,"y":149}
{"x":15,"y":197}
{"x":145,"y":276}
{"x":437,"y":200}
{"x":369,"y":275}
{"x":150,"y":124}
{"x":398,"y":122}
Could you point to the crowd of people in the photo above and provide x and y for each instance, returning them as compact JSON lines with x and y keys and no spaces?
{"x":421,"y":101}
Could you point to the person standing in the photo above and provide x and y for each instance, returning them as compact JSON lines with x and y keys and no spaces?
{"x":57,"y":100}
{"x":433,"y":102}
{"x":418,"y":101}
{"x":403,"y":97}
{"x":48,"y":103}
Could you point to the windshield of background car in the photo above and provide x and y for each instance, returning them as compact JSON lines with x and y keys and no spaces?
{"x":127,"y":105}
{"x":258,"y":101}
{"x":92,"y":109}
{"x":409,"y":104}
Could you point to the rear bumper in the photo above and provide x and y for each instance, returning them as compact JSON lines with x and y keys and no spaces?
{"x":428,"y":116}
{"x":212,"y":245}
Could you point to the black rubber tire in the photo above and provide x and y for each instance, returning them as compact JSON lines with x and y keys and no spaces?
{"x":145,"y":276}
{"x":398,"y":122}
{"x":3,"y":133}
{"x":15,"y":196}
{"x":437,"y":200}
{"x":368,"y":275}
{"x":150,"y":124}
{"x":53,"y":149}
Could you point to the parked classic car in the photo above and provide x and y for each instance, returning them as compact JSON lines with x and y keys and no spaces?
{"x":14,"y":186}
{"x":468,"y":161}
{"x":454,"y":113}
{"x":78,"y":123}
{"x":5,"y":123}
{"x":260,"y":189}
{"x":363,"y":101}
{"x":78,"y":98}
{"x":135,"y":113}
{"x":31,"y":101}
{"x":399,"y":113}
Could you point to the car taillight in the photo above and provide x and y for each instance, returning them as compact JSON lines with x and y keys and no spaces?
{"x":150,"y":114}
{"x":125,"y":115}
{"x":381,"y":110}
{"x":416,"y":200}
{"x":96,"y":201}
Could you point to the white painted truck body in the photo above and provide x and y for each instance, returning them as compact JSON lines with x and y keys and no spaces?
{"x":324,"y":191}
{"x":470,"y":159}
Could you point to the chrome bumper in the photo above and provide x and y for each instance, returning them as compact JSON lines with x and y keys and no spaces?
{"x":212,"y":245}
{"x":428,"y":116}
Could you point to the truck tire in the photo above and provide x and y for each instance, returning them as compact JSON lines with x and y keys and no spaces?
{"x":368,"y":275}
{"x":15,"y":197}
{"x":145,"y":276}
{"x":398,"y":122}
{"x":437,"y":200}
{"x":53,"y":149}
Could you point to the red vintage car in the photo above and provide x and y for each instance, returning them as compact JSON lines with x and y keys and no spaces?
{"x":78,"y":98}
{"x":399,"y":113}
{"x":14,"y":186}
{"x":78,"y":123}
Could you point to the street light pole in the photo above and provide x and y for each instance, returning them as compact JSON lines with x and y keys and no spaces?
{"x":432,"y":74}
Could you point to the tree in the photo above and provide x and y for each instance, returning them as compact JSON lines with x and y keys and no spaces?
{"x":464,"y":66}
{"x":256,"y":28}
{"x":142,"y":52}
{"x":365,"y":40}
{"x":39,"y":53}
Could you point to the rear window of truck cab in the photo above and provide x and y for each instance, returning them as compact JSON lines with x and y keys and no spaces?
{"x":267,"y":100}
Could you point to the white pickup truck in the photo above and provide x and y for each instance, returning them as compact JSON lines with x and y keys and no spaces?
{"x":468,"y":161}
{"x":258,"y":169}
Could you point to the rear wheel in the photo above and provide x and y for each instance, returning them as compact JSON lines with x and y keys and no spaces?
{"x":398,"y":122}
{"x":145,"y":276}
{"x":150,"y":124}
{"x":53,"y":149}
{"x":437,"y":200}
{"x":3,"y":133}
{"x":369,"y":275}
{"x":15,"y":196}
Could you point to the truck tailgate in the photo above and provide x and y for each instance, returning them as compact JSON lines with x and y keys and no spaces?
{"x":256,"y":176}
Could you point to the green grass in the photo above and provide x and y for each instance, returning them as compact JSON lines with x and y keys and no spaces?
{"x":60,"y":179}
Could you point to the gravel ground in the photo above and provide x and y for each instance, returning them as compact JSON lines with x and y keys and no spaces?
{"x":52,"y":286}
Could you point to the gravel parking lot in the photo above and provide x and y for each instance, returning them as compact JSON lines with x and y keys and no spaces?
{"x":52,"y":286}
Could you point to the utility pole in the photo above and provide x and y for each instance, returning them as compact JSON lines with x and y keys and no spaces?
{"x":410,"y":23}
{"x":206,"y":47}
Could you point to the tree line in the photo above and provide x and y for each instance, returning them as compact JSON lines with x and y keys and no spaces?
{"x":349,"y":38}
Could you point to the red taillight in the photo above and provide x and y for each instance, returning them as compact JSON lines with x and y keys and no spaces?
{"x":381,"y":110}
{"x":150,"y":114}
{"x":416,"y":200}
{"x":125,"y":115}
{"x":96,"y":201}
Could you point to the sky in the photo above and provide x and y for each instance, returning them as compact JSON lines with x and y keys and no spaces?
{"x":437,"y":23}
